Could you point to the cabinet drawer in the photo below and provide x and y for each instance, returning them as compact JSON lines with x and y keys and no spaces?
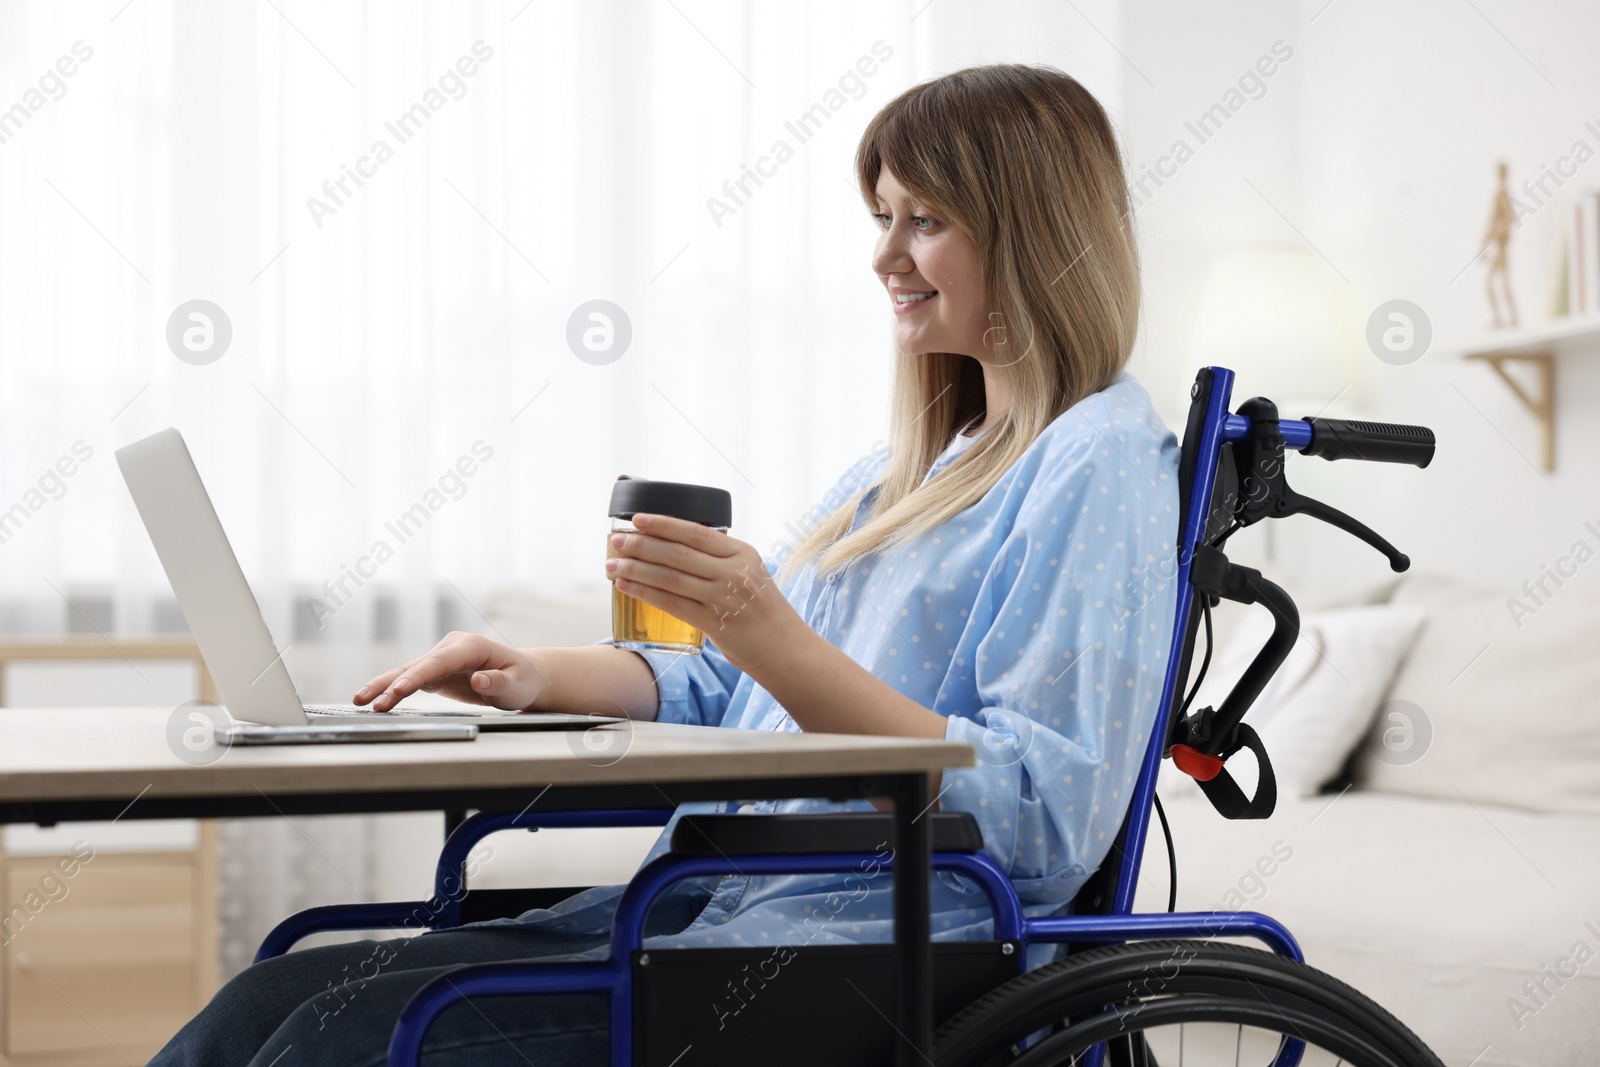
{"x":101,"y":962}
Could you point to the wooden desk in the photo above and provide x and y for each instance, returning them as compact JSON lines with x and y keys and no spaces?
{"x":115,"y":763}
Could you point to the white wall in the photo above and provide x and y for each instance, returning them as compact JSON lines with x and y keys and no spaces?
{"x":1377,"y":141}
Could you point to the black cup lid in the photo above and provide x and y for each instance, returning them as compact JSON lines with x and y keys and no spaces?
{"x":697,"y":503}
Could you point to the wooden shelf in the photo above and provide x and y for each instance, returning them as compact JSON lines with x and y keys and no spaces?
{"x":1561,"y":334}
{"x":1534,"y":347}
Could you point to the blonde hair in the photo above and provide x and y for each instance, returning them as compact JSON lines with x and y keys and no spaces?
{"x":1023,"y":160}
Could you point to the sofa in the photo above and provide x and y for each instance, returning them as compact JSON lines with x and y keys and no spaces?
{"x":1450,"y":866}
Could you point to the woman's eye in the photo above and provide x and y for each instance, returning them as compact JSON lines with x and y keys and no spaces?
{"x":918,"y":221}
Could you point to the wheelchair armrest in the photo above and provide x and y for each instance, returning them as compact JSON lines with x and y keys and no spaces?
{"x":415,"y":916}
{"x":412,"y":915}
{"x":844,"y":831}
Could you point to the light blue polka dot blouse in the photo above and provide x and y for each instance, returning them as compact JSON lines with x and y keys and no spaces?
{"x":1037,"y":621}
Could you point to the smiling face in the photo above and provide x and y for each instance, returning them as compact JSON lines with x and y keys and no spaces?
{"x":920,"y":253}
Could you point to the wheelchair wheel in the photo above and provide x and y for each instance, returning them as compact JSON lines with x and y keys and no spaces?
{"x":1172,"y":1003}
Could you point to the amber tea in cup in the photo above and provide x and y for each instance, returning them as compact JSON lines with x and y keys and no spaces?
{"x":635,"y":624}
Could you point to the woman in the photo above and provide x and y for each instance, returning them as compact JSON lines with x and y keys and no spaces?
{"x":996,"y":578}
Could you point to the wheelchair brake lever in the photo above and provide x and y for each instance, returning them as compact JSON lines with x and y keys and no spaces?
{"x":1293,"y":503}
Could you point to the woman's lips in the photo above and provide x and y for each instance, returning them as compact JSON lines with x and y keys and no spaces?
{"x":901,"y":309}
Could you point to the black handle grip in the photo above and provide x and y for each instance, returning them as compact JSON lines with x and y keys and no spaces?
{"x":1380,"y":442}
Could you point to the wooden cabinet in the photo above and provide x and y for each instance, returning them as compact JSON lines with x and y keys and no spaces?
{"x":108,"y":933}
{"x":109,"y":969}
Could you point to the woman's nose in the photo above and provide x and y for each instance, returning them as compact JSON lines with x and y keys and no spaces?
{"x":890,"y":255}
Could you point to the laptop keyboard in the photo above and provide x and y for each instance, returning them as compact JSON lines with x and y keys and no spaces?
{"x":438,"y":713}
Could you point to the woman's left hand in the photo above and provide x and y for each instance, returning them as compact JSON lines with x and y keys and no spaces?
{"x":714,"y":582}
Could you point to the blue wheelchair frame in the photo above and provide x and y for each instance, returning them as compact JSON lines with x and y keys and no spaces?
{"x":1116,"y":921}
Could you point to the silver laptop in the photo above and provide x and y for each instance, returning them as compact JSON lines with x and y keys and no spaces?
{"x":233,"y":638}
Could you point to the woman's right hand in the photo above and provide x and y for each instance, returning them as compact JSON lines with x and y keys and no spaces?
{"x":470,"y":668}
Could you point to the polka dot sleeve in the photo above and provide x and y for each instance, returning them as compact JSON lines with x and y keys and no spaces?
{"x":693,"y":689}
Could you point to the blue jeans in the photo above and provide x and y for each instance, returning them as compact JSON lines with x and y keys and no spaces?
{"x":315,"y":1007}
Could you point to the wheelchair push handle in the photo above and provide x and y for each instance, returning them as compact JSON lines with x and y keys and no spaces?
{"x":1380,"y":442}
{"x":1377,"y":442}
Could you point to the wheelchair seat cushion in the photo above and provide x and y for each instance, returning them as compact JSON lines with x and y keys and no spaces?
{"x":767,"y":835}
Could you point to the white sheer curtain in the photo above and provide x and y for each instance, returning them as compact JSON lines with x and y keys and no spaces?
{"x":555,"y":153}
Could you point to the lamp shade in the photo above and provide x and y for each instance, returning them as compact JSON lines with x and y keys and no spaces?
{"x":1271,"y":314}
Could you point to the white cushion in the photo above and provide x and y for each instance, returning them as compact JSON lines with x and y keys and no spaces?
{"x":1308,"y":597}
{"x":1319,"y":704}
{"x":1313,"y":597}
{"x":1504,"y":698}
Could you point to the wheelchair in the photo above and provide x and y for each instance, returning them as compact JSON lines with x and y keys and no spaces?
{"x":1137,"y":989}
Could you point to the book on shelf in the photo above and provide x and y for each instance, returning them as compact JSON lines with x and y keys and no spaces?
{"x":1583,"y":254}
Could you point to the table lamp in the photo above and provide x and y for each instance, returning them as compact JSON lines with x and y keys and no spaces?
{"x":1283,"y":322}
